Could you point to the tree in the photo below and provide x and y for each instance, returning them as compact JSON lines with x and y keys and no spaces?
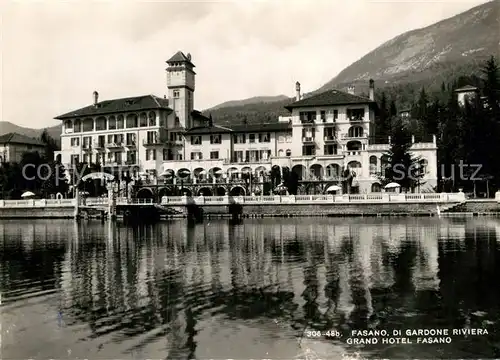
{"x":50,"y":145}
{"x":393,"y":111}
{"x":491,"y":83}
{"x":291,"y":181}
{"x":382,"y":125}
{"x":403,"y":168}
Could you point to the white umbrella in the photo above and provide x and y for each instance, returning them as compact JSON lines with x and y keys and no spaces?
{"x":218,"y":172}
{"x":27,"y":194}
{"x":392,"y":185}
{"x":333,"y":188}
{"x":98,"y":176}
{"x":280,"y":187}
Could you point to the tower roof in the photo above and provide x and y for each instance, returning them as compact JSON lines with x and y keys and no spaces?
{"x":180,"y":57}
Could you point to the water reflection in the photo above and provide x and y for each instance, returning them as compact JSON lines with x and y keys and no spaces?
{"x":178,"y":290}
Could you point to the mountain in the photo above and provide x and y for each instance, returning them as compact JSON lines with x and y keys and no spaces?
{"x":252,"y":100}
{"x":462,"y":40}
{"x":8,"y":127}
{"x":447,"y":51}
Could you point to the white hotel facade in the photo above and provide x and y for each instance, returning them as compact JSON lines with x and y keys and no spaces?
{"x":165,"y":138}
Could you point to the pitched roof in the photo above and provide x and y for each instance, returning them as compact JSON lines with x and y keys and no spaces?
{"x":180,"y":57}
{"x":216,"y":129}
{"x":250,"y":128}
{"x":15,"y":138}
{"x":264,"y":127}
{"x":466,"y":88}
{"x":330,"y":97}
{"x":145,"y":102}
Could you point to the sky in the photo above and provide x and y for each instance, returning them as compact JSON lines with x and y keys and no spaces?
{"x":55,"y":53}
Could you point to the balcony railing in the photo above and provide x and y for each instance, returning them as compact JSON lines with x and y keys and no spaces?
{"x":114,"y":145}
{"x":308,"y":139}
{"x":356,"y":119}
{"x":99,"y":146}
{"x":152,"y":142}
{"x":130,"y":144}
{"x":131,"y":162}
{"x":329,"y":138}
{"x":87,"y":147}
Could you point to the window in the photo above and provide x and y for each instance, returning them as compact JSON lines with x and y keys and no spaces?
{"x":329,"y":133}
{"x":196,"y":155}
{"x":307,"y":116}
{"x":330,"y":149}
{"x":112,"y":123}
{"x":77,"y":126}
{"x":176,"y":94}
{"x":150,"y":154}
{"x":101,"y":140}
{"x":75,"y":159}
{"x":100,"y":123}
{"x":88,"y":125}
{"x":355,"y":131}
{"x":239,"y":139}
{"x":131,"y":157}
{"x":323,"y":115}
{"x":167,"y":154}
{"x":281,"y":138}
{"x":152,"y":137}
{"x":265,"y":137}
{"x":308,"y":133}
{"x":120,"y":122}
{"x":115,"y":139}
{"x":75,"y":141}
{"x":215,"y":139}
{"x":309,"y":150}
{"x":335,"y":115}
{"x":143,"y":120}
{"x":355,"y":114}
{"x":177,"y":122}
{"x":238,"y":156}
{"x":68,"y":124}
{"x":87,"y":142}
{"x":132,"y":121}
{"x":130,"y":139}
{"x":152,"y":118}
{"x":280,"y":153}
{"x":288,"y":153}
{"x":196,"y":140}
{"x":214,"y":155}
{"x":251,"y":138}
{"x":265,"y":155}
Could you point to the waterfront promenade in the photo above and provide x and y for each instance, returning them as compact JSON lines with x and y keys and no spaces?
{"x":372,"y":204}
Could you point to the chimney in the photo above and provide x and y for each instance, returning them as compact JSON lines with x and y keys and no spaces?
{"x":372,"y":90}
{"x":96,"y":97}
{"x":350,"y":89}
{"x":297,"y":91}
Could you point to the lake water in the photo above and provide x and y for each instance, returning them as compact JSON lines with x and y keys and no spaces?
{"x":256,"y":289}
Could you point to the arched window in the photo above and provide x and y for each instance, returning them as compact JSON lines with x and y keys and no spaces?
{"x":143,"y":120}
{"x":280,"y":153}
{"x":376,"y":187}
{"x":152,"y":118}
{"x":288,"y":153}
{"x":423,"y":166}
{"x":132,"y":121}
{"x":120,"y":122}
{"x":77,"y":126}
{"x":373,"y":165}
{"x":355,"y":131}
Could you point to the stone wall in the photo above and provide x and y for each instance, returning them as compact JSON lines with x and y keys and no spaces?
{"x":326,"y":209}
{"x":36,"y":213}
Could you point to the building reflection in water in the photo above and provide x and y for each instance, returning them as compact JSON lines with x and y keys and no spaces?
{"x":166,"y":284}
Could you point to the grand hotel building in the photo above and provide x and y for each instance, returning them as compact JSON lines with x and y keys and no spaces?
{"x":167,"y":141}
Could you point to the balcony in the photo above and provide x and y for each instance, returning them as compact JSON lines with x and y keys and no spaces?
{"x":330,"y":138}
{"x":99,"y":146}
{"x":87,"y":147}
{"x":309,"y":122}
{"x":356,"y":119}
{"x":153,"y":142}
{"x":308,"y":139}
{"x":130,"y":144}
{"x":114,"y":145}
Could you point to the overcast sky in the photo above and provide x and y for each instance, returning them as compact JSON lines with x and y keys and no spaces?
{"x":54,"y":54}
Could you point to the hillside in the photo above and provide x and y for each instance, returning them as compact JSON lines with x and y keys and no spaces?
{"x":448,"y":51}
{"x":8,"y":127}
{"x":425,"y":53}
{"x":253,"y":100}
